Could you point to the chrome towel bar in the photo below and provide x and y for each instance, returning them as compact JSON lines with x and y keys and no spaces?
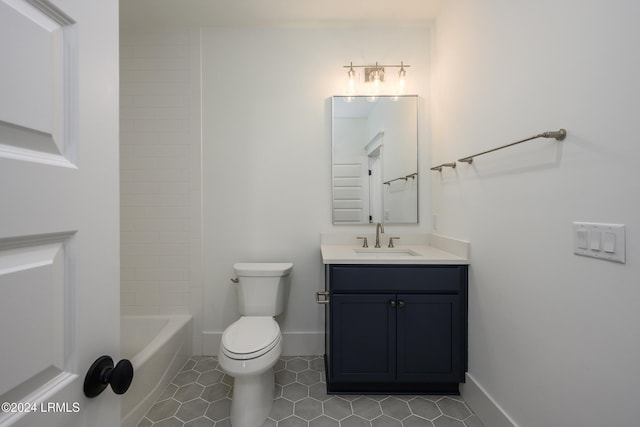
{"x":404,"y":178}
{"x":559,"y":135}
{"x":444,"y":165}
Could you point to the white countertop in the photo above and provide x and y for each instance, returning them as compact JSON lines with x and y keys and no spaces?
{"x":409,"y":249}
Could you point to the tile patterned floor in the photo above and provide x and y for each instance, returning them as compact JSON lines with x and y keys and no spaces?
{"x":200,"y":396}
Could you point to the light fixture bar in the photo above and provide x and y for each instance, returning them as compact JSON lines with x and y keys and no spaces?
{"x":376,"y":66}
{"x":374,"y":76}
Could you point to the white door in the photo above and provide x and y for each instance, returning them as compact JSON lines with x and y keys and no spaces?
{"x":59,"y":218}
{"x":350,"y":194}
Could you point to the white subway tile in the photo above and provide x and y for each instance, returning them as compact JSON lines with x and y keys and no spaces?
{"x":126,"y":51}
{"x":164,"y":37}
{"x":174,"y":309}
{"x":157,"y":175}
{"x":157,"y":224}
{"x":125,"y":150}
{"x":140,"y":187}
{"x":159,"y":75}
{"x":134,"y":113}
{"x":129,"y":163}
{"x":174,"y":299}
{"x":174,"y":237}
{"x":161,"y":52}
{"x":157,"y":125}
{"x":154,"y":200}
{"x":159,"y":150}
{"x":138,"y":88}
{"x":175,"y":187}
{"x":139,"y":237}
{"x":182,"y":162}
{"x":125,"y":101}
{"x":127,"y":298}
{"x":174,"y":286}
{"x":143,"y":102}
{"x":162,"y":274}
{"x":136,"y":63}
{"x":126,"y":224}
{"x":133,"y":261}
{"x":139,"y":310}
{"x":147,"y":297}
{"x":126,"y":124}
{"x":127,"y":274}
{"x":155,"y":212}
{"x":157,"y":250}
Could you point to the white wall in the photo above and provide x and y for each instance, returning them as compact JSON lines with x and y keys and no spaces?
{"x":267,"y":153}
{"x":552,"y":336}
{"x":160,"y":174}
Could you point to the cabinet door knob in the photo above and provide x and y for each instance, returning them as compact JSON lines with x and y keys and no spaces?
{"x":392,"y":303}
{"x":401,"y":304}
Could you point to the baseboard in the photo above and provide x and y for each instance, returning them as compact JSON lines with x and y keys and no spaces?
{"x":303,"y":343}
{"x":485,"y":407}
{"x":294,"y":343}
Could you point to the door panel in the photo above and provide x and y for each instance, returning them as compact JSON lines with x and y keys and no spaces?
{"x":59,"y":270}
{"x":429,"y":338}
{"x":364,"y":332}
{"x":36,"y":115}
{"x":33,"y":275}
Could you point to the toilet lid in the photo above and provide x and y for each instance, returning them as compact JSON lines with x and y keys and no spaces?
{"x":250,"y":337}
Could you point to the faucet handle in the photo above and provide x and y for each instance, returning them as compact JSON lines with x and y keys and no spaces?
{"x":364,"y":244}
{"x":391,"y":241}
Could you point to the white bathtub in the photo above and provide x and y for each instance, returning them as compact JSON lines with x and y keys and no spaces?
{"x":158,"y":346}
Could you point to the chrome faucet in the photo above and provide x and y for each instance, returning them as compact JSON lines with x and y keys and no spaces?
{"x":379,"y":229}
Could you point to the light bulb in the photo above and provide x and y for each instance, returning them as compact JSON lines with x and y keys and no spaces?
{"x":376,"y":82}
{"x":402,"y":74}
{"x":352,"y":80}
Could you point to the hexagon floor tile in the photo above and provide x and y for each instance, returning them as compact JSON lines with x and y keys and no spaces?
{"x":200,"y":396}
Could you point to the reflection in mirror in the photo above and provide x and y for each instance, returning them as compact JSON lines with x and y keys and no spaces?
{"x":375,"y":159}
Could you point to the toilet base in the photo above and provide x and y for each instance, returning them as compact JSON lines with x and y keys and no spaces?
{"x":252,"y":399}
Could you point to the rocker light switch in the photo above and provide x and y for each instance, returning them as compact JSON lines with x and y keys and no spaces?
{"x":609,"y":244}
{"x":604,"y":241}
{"x":594,"y":240}
{"x":582,"y":237}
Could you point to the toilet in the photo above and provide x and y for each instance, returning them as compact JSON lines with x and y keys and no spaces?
{"x":252,"y":345}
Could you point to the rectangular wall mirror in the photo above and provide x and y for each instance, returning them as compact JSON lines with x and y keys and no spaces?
{"x":375,"y":159}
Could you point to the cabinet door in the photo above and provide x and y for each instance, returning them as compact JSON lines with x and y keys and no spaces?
{"x":363,"y":338}
{"x":429,"y":338}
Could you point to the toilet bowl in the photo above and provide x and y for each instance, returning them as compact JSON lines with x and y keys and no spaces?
{"x":250,"y":348}
{"x":252,"y":345}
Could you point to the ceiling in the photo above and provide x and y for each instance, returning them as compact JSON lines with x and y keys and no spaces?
{"x":140,"y":14}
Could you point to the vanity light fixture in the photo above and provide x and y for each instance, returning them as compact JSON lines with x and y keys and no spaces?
{"x":374,"y":75}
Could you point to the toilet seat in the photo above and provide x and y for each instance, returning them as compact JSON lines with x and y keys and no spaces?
{"x":250,"y":337}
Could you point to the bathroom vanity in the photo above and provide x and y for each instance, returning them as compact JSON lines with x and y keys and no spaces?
{"x":396,"y":318}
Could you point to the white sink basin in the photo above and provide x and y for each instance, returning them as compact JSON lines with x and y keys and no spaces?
{"x":385,"y":252}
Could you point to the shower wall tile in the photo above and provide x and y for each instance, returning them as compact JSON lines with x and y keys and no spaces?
{"x":159,"y":173}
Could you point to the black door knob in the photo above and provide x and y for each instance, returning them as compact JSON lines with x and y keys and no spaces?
{"x":102,"y":372}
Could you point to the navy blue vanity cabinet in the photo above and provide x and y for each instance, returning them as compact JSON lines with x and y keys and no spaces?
{"x":396,"y":328}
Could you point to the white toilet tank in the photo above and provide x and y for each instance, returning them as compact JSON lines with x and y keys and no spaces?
{"x":263,"y":288}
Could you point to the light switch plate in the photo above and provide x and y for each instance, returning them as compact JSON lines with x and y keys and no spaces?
{"x":603,"y":241}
